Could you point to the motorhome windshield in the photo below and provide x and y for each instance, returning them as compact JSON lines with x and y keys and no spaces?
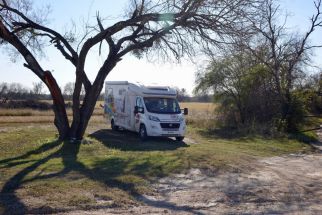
{"x":162,"y":105}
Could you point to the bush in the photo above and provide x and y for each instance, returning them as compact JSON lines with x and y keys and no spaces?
{"x":33,"y":104}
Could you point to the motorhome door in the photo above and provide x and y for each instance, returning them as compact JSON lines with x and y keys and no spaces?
{"x":138,"y":114}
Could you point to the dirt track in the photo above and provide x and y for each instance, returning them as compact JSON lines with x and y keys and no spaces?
{"x":280,"y":185}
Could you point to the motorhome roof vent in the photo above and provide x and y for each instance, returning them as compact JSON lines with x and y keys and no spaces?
{"x":158,"y":88}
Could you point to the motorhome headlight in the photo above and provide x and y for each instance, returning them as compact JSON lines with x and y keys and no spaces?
{"x":181,"y":119}
{"x":154,"y":118}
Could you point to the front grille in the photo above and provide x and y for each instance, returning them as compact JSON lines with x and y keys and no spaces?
{"x":170,"y":125}
{"x":170,"y":129}
{"x":170,"y":135}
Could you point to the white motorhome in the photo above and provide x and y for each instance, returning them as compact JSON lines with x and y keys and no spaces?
{"x":148,"y":110}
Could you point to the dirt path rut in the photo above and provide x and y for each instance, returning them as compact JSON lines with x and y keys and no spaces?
{"x":280,"y":185}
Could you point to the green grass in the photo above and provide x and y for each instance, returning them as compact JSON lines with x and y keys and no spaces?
{"x":112,"y":168}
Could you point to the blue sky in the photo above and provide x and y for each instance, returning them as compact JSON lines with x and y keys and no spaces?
{"x":132,"y":69}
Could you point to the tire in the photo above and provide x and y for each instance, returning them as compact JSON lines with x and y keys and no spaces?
{"x":142,"y":133}
{"x":179,"y":138}
{"x":113,"y":126}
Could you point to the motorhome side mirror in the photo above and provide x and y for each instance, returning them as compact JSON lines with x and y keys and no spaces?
{"x":136,"y":109}
{"x":141,"y":110}
{"x":185,"y":111}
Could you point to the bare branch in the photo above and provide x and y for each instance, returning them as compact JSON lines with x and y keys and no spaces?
{"x":108,"y":39}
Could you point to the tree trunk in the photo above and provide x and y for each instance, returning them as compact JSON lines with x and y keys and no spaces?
{"x":79,"y":124}
{"x":287,"y":116}
{"x":84,"y":113}
{"x":76,"y":110}
{"x":61,"y":119}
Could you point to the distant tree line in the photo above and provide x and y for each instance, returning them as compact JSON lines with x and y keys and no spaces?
{"x":17,"y":91}
{"x":183,"y":96}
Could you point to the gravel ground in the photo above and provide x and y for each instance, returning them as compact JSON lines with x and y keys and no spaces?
{"x":280,"y":185}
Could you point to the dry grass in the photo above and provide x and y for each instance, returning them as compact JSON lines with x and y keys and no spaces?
{"x":198,"y":106}
{"x":110,"y":168}
{"x":26,"y":119}
{"x":197,"y":112}
{"x":24,"y":112}
{"x":40,"y":119}
{"x":200,"y":114}
{"x":28,"y":115}
{"x":32,"y":112}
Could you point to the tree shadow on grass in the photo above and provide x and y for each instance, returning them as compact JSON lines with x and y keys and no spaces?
{"x":106,"y":174}
{"x":129,"y":141}
{"x":8,"y":199}
{"x":45,"y":147}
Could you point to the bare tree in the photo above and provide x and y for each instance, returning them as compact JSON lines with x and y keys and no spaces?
{"x":285,"y":54}
{"x":166,"y":27}
{"x":3,"y":89}
{"x":182,"y":94}
{"x":3,"y":92}
{"x":38,"y":88}
{"x":68,"y":90}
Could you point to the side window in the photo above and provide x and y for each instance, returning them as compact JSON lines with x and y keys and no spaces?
{"x":109,"y":98}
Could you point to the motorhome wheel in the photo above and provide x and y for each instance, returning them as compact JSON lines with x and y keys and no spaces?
{"x":142,"y":133}
{"x":113,"y":126}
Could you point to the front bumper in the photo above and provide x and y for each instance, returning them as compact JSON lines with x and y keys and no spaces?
{"x":155,"y":129}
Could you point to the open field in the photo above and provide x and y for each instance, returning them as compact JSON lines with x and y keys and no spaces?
{"x":114,"y":170}
{"x":27,"y":115}
{"x":197,"y":110}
